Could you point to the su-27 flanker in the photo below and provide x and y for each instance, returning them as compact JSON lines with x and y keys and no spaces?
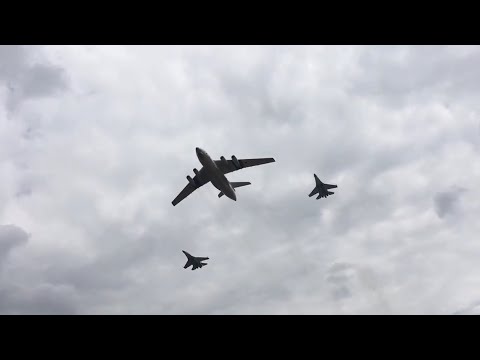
{"x":321,"y":189}
{"x":214,"y":171}
{"x":194,"y":261}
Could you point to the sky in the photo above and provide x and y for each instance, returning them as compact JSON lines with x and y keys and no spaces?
{"x":96,"y":141}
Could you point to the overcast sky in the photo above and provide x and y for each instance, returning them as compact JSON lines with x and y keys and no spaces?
{"x":96,"y":141}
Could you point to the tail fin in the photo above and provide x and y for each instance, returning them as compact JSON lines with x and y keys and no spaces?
{"x":325,"y":196}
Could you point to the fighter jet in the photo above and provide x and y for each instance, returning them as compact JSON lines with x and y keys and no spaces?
{"x":214,"y":171}
{"x":195,"y":261}
{"x":321,"y":189}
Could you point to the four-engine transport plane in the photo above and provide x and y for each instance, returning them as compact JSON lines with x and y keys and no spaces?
{"x":214,"y":171}
{"x":195,"y":262}
{"x":321,"y":189}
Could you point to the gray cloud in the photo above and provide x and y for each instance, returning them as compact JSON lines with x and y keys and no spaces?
{"x":472,"y":309}
{"x":417,"y":74}
{"x":91,"y":172}
{"x":11,"y":236}
{"x":26,"y":79}
{"x":446,"y":202}
{"x":37,"y":300}
{"x":16,"y":298}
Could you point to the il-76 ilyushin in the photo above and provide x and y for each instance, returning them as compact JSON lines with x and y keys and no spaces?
{"x":214,"y":171}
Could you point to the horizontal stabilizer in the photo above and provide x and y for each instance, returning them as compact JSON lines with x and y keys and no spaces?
{"x":325,"y":195}
{"x":235,"y":185}
{"x":239,"y":184}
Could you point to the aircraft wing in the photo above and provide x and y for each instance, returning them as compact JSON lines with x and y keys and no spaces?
{"x":328,"y":186}
{"x":314,"y":191}
{"x":228,"y":166}
{"x":199,"y":180}
{"x":202,"y":258}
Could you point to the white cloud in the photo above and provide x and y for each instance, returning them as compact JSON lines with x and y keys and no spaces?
{"x":99,"y":140}
{"x":11,"y":236}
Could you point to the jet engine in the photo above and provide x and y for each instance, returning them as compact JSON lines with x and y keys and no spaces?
{"x":195,"y":171}
{"x":190,"y":180}
{"x":223,"y":160}
{"x":236,"y":162}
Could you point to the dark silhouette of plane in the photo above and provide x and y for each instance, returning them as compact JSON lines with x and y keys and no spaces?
{"x":195,"y":261}
{"x":213,"y":171}
{"x":321,"y":189}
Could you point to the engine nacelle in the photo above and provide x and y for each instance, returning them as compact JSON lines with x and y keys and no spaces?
{"x":223,"y":160}
{"x":195,"y":171}
{"x":236,"y":162}
{"x":190,"y":180}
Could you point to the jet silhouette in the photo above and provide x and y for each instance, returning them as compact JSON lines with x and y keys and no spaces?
{"x":213,"y":171}
{"x":196,"y":262}
{"x":321,"y":189}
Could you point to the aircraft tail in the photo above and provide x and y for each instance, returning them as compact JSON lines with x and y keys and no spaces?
{"x":326,"y":195}
{"x":235,"y":185}
{"x":239,"y":184}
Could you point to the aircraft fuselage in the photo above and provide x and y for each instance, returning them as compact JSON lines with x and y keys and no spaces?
{"x":216,"y":176}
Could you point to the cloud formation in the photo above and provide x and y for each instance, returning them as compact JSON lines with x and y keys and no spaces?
{"x":446,"y":202}
{"x":97,"y":141}
{"x":11,"y":236}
